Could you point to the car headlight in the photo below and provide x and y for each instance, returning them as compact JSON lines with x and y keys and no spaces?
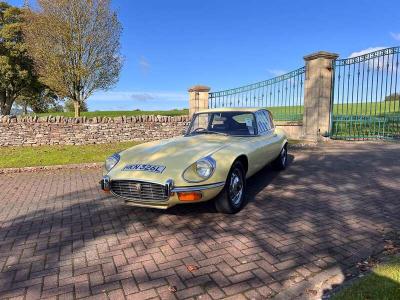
{"x":201,"y":170}
{"x":111,"y":161}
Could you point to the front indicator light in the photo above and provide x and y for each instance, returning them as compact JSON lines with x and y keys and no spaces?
{"x":189,"y":196}
{"x":105,"y":184}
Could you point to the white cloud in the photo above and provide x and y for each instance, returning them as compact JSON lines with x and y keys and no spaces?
{"x":395,"y":35}
{"x":365,"y":51}
{"x":144,"y":65}
{"x":142,"y":96}
{"x":276,"y":72}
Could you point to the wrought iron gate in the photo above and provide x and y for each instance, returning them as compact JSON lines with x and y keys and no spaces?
{"x":366,"y":96}
{"x":282,"y":95}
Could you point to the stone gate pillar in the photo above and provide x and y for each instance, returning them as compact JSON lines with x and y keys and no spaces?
{"x":317,"y":94}
{"x":198,"y":98}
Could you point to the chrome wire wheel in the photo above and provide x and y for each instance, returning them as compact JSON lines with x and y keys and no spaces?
{"x":283,"y":156}
{"x":236,"y":187}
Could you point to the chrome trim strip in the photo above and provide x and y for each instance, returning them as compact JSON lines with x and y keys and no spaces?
{"x":197,"y":188}
{"x":140,"y":180}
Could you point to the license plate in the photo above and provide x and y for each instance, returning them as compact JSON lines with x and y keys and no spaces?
{"x":144,"y":167}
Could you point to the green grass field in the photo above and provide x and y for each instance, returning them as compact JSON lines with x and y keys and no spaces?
{"x":382,"y":283}
{"x":372,"y":108}
{"x":18,"y":157}
{"x":118,"y":113}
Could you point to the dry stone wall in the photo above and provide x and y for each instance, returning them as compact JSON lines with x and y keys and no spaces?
{"x":51,"y":130}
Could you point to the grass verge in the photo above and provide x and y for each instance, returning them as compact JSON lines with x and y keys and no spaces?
{"x":19,"y":157}
{"x":382,"y":283}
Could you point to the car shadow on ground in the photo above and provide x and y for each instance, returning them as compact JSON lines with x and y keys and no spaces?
{"x":325,"y":209}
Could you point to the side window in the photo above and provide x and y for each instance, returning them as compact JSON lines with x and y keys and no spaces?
{"x":268,"y":117}
{"x":262,"y":122}
{"x":243,"y":124}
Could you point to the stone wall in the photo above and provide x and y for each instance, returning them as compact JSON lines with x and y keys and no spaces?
{"x":35,"y":131}
{"x":293,"y":130}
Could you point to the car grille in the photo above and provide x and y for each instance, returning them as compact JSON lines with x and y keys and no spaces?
{"x":139,"y":190}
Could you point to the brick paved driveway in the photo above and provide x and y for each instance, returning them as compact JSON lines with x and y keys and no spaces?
{"x":61,"y":237}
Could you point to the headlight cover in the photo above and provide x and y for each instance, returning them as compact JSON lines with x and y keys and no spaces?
{"x":200,"y":171}
{"x":111,"y":162}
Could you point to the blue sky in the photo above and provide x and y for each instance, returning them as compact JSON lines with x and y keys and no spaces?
{"x":171,"y":45}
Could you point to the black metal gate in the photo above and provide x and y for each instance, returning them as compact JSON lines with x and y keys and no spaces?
{"x":366,"y":96}
{"x":282,"y":95}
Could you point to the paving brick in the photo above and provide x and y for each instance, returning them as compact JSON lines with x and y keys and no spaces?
{"x":189,"y":292}
{"x":236,"y":288}
{"x":105,"y":288}
{"x":241,"y":277}
{"x":148,"y":294}
{"x":129,"y":286}
{"x":152,"y":284}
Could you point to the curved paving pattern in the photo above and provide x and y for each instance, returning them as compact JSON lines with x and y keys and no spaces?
{"x":61,"y":237}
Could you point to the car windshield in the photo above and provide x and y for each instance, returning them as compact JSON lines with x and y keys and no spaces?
{"x":226,"y":123}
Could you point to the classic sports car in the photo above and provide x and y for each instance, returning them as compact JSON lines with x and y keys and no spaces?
{"x":219,"y":151}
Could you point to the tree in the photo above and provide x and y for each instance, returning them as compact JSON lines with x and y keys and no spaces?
{"x":17,"y":75}
{"x":70,"y":107}
{"x":40,"y":99}
{"x":75,"y":46}
{"x":393,"y":97}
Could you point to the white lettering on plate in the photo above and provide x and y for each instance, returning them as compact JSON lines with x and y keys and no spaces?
{"x":144,"y":167}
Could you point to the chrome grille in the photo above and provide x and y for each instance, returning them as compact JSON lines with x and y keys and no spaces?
{"x":139,"y":190}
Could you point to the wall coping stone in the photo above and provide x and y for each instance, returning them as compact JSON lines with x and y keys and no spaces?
{"x":199,"y":88}
{"x":321,"y":54}
{"x":94,"y":120}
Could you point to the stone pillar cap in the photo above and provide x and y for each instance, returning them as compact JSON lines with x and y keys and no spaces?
{"x":321,"y":54}
{"x":199,"y":88}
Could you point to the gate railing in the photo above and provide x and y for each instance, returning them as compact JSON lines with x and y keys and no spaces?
{"x":282,"y":95}
{"x":352,"y":98}
{"x":366,"y":96}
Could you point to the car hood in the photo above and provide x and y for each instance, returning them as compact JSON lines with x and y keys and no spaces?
{"x":174,"y":154}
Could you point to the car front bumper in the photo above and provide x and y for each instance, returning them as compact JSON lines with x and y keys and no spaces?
{"x":208,"y":192}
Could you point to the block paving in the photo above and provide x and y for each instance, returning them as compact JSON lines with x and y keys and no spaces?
{"x":62,"y":238}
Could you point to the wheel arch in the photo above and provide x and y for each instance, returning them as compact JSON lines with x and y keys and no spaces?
{"x":244,"y":160}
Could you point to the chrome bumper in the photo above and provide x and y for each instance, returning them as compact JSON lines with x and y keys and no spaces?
{"x":169,"y":185}
{"x":208,"y":191}
{"x":197,"y":188}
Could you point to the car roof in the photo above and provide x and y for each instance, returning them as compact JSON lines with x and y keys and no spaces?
{"x":227,"y":109}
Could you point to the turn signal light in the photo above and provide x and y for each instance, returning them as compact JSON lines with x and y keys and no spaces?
{"x":189,"y":196}
{"x":105,"y":184}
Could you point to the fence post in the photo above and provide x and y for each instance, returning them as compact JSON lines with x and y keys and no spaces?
{"x":198,"y":98}
{"x":318,"y":91}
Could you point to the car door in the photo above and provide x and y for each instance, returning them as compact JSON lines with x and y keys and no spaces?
{"x":275,"y":142}
{"x":260,"y":144}
{"x":267,"y":133}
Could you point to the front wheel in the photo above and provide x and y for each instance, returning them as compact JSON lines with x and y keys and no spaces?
{"x":281,"y":161}
{"x":232,"y":197}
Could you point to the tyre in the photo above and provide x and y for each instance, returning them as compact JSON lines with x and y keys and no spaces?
{"x":281,"y":161}
{"x":232,"y":197}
